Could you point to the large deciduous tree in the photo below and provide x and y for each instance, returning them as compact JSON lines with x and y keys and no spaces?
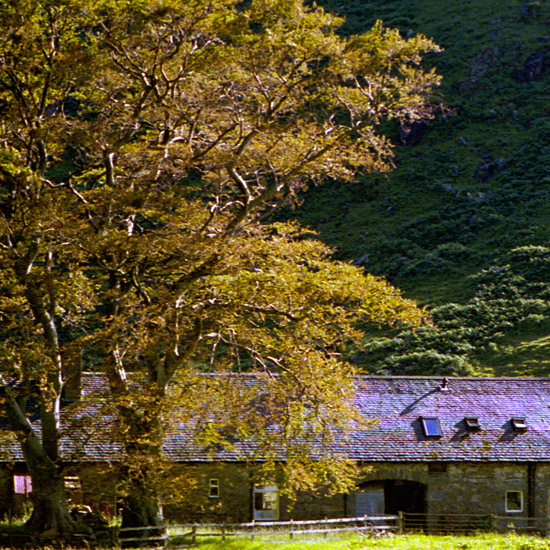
{"x":143,"y":146}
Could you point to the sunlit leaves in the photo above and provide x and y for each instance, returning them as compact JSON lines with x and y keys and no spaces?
{"x":143,"y":142}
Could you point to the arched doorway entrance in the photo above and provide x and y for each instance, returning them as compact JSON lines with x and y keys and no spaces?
{"x":390,"y":496}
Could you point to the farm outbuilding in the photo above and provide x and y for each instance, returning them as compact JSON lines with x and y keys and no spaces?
{"x":432,"y":446}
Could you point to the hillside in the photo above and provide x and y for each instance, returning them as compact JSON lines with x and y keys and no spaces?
{"x":462,"y":224}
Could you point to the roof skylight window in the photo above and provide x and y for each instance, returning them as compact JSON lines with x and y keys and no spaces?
{"x":519,"y":424}
{"x":431,"y":426}
{"x":472,"y":423}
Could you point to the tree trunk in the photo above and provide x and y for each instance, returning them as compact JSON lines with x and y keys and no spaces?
{"x":140,"y":477}
{"x":140,"y":506}
{"x":139,"y":415}
{"x":50,"y":515}
{"x":50,"y":512}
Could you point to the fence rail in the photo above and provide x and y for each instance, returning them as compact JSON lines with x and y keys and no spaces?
{"x":180,"y":536}
{"x":473,"y":523}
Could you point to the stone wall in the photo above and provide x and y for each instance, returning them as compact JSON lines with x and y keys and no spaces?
{"x":232,"y":505}
{"x":472,"y":487}
{"x":6,"y":492}
{"x":235,"y":501}
{"x":454,"y":488}
{"x":457,"y":488}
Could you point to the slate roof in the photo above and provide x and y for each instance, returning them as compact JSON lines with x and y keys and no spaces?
{"x":86,"y":433}
{"x":394,"y":404}
{"x":399,"y":402}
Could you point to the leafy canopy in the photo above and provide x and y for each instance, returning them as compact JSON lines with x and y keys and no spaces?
{"x":144,"y":145}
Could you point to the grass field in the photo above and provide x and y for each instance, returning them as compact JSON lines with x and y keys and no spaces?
{"x":405,"y":542}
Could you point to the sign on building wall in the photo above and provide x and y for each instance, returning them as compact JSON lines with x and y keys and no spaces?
{"x":22,"y":484}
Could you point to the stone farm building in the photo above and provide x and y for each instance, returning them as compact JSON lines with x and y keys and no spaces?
{"x":438,"y":446}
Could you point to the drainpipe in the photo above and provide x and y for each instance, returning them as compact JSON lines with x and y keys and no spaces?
{"x":346,"y":505}
{"x":531,"y":488}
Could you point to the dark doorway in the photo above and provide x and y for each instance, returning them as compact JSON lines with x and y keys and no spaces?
{"x":404,"y":496}
{"x":390,"y":496}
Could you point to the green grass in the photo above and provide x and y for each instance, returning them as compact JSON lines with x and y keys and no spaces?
{"x":405,"y":542}
{"x":389,"y":542}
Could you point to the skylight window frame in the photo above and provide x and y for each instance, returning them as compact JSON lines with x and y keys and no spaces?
{"x":519,"y":424}
{"x":431,"y":427}
{"x":472,"y":423}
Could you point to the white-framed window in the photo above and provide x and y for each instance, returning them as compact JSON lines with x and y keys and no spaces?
{"x":266,"y":502}
{"x":514,"y":501}
{"x":72,"y":483}
{"x":214,"y":488}
{"x":22,"y":484}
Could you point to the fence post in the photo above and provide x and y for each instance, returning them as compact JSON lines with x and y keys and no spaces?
{"x":10,"y":527}
{"x":223,"y":531}
{"x":253,"y":529}
{"x":291,"y":534}
{"x":492,"y":523}
{"x":400,"y":522}
{"x":194,"y":534}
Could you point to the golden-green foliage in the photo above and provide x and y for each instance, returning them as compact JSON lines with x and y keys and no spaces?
{"x":142,"y":144}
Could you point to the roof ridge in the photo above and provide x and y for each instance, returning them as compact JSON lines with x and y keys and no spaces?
{"x":455,"y":378}
{"x":438,"y":377}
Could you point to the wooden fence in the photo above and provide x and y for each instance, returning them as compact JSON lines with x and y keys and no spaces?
{"x":180,"y":536}
{"x":463,"y":524}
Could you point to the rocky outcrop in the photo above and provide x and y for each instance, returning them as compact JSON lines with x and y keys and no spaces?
{"x":535,"y":66}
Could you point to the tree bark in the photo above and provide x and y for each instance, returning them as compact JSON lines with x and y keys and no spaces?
{"x":50,"y":512}
{"x":141,"y":428}
{"x":140,"y":474}
{"x":140,"y":506}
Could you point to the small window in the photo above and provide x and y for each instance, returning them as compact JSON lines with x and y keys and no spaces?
{"x":514,"y":501}
{"x":214,"y":490}
{"x":437,"y":467}
{"x":431,"y":426}
{"x":519,"y":424}
{"x":22,"y":484}
{"x":472,"y":423}
{"x":72,"y":482}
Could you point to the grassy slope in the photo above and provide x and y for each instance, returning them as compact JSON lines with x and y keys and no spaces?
{"x":463,"y":223}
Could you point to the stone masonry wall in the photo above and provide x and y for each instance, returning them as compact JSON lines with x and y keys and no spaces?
{"x":234,"y":503}
{"x":471,"y":487}
{"x":458,"y":488}
{"x":454,"y":488}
